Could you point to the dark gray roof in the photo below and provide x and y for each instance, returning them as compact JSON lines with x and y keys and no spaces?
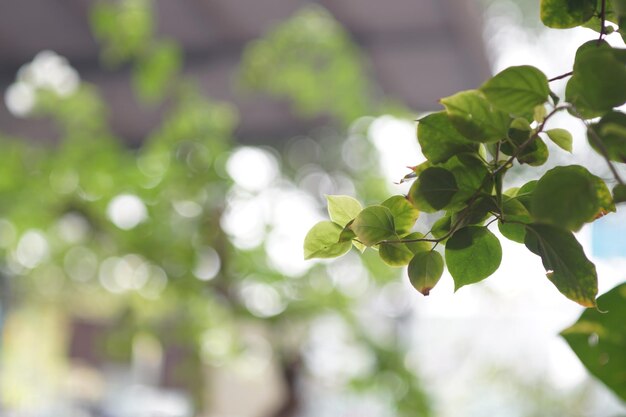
{"x":420,"y":50}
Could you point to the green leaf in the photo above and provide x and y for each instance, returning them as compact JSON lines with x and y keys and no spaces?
{"x":404,"y":213}
{"x":471,"y":174}
{"x":535,"y":154}
{"x":399,"y":254}
{"x":514,"y":215}
{"x":395,"y":254}
{"x":599,"y":80}
{"x":566,"y":197}
{"x":619,"y":193}
{"x":472,"y":254}
{"x":373,"y":225}
{"x":610,"y":132}
{"x":433,"y":189}
{"x":562,"y":138}
{"x":441,"y":227}
{"x":425,"y":270}
{"x":525,"y":192}
{"x":322,"y":241}
{"x":563,"y":14}
{"x":439,"y":140}
{"x":342,"y":208}
{"x":605,"y":199}
{"x":599,"y":340}
{"x":565,"y":262}
{"x":473,"y":116}
{"x":348,"y":235}
{"x":517,"y":90}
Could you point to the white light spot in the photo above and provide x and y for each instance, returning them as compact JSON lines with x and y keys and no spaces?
{"x":20,"y":99}
{"x":157,"y":282}
{"x":395,"y":140}
{"x":187,"y":208}
{"x":126,"y":211}
{"x":72,"y":228}
{"x":252,"y":168}
{"x":208,"y":264}
{"x":262,"y":300}
{"x":124,"y":274}
{"x":32,"y":249}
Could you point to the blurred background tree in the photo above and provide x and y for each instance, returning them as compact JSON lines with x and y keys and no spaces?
{"x":157,"y":269}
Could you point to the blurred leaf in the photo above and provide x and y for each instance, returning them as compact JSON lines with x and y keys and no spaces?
{"x":599,"y":340}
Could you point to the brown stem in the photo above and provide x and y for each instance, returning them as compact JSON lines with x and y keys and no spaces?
{"x":559,"y":77}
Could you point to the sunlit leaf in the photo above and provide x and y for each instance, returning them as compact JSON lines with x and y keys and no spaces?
{"x":373,"y":225}
{"x":404,"y":213}
{"x":322,"y":241}
{"x":425,"y":270}
{"x":342,"y":208}
{"x":439,"y":140}
{"x":472,"y":115}
{"x":561,"y":137}
{"x":517,"y":90}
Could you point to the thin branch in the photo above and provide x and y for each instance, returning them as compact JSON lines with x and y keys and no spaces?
{"x":605,"y":153}
{"x":528,"y":141}
{"x":602,"y":21}
{"x":559,"y":77}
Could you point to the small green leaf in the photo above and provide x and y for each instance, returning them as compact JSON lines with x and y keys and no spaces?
{"x":565,"y":262}
{"x":425,"y":270}
{"x":404,"y":213}
{"x":472,"y":254}
{"x":514,"y":215}
{"x":517,"y":90}
{"x":442,"y":227}
{"x":563,"y":14}
{"x":399,"y":254}
{"x":599,"y":339}
{"x":472,"y":115}
{"x":610,"y":131}
{"x":519,"y":130}
{"x":535,"y":154}
{"x":525,"y":192}
{"x":395,"y":254}
{"x":373,"y":225}
{"x":322,"y":241}
{"x":439,"y":140}
{"x":562,"y":138}
{"x":470,"y":174}
{"x":433,"y":189}
{"x":619,"y":193}
{"x":342,"y":208}
{"x":566,"y":196}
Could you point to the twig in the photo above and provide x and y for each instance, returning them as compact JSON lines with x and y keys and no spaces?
{"x":559,"y":77}
{"x":602,"y":21}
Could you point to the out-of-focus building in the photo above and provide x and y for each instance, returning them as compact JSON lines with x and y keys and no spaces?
{"x":419,"y":51}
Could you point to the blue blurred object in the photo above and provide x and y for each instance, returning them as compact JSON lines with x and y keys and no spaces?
{"x":608,"y":236}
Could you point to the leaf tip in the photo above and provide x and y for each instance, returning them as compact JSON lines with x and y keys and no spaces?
{"x":425,"y":291}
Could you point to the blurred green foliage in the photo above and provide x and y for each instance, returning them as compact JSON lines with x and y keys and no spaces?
{"x":64,"y":245}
